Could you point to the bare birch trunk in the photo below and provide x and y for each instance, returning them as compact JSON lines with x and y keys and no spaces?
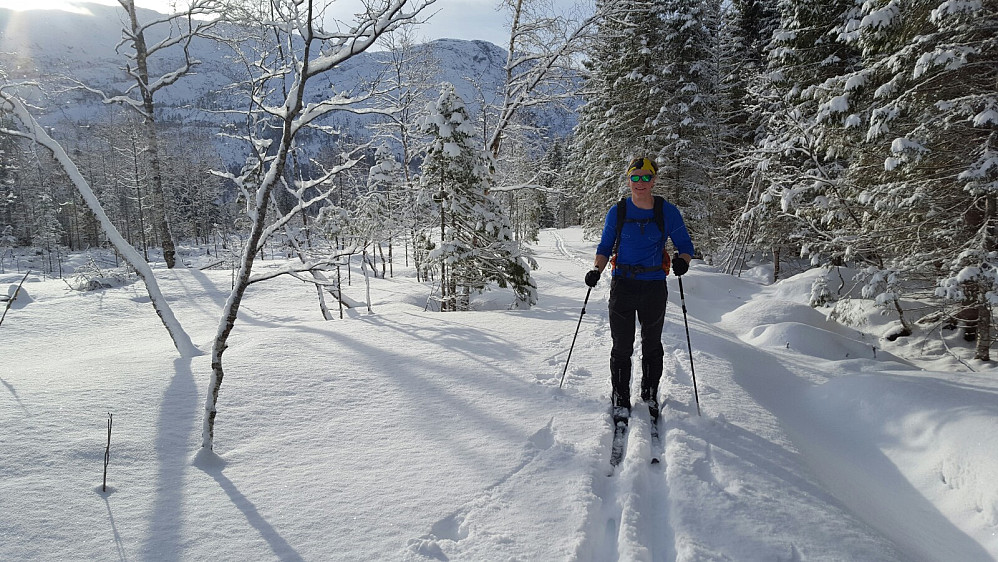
{"x":160,"y":220}
{"x":231,"y":309}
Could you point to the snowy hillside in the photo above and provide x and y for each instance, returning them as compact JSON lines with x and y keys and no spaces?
{"x":410,"y":435}
{"x":51,"y":45}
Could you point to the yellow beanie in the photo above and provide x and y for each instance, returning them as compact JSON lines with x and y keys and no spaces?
{"x":646,"y":164}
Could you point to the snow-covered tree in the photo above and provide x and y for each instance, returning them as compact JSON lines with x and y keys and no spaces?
{"x":625,"y":96}
{"x":376,"y":213}
{"x":559,"y":202}
{"x":196,"y":19}
{"x":746,"y":31}
{"x":545,"y":42}
{"x":27,"y":127}
{"x":475,"y":245}
{"x":406,"y":87}
{"x":652,"y":91}
{"x":689,"y":161}
{"x":800,"y":198}
{"x":285,"y":58}
{"x":926,"y":95}
{"x":197,"y":195}
{"x":48,"y":231}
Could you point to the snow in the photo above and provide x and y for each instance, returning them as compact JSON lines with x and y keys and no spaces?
{"x":986,"y":117}
{"x":954,"y":7}
{"x":838,"y":104}
{"x":882,"y":17}
{"x":902,"y":144}
{"x":413,"y":435}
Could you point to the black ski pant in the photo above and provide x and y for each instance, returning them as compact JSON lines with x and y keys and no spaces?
{"x":646,"y":300}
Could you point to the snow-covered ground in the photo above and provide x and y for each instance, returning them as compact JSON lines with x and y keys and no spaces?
{"x":414,"y":435}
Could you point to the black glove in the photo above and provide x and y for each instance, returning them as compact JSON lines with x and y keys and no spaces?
{"x":679,"y":265}
{"x":592,"y":277}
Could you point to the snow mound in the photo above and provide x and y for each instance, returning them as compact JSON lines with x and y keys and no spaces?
{"x":20,"y":301}
{"x":809,"y":340}
{"x":770,"y":311}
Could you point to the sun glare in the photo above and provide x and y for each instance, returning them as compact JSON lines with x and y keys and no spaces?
{"x":80,"y":6}
{"x":64,"y":5}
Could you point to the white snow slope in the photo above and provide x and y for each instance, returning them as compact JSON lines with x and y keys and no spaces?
{"x":411,"y":435}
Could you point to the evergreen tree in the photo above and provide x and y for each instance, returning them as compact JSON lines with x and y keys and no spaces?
{"x":517,"y":176}
{"x":476,"y":244}
{"x":652,"y":91}
{"x":927,"y":95}
{"x":623,"y":116}
{"x":375,"y":219}
{"x":800,"y":198}
{"x":559,"y":203}
{"x":9,"y":167}
{"x":48,"y":231}
{"x":747,"y":29}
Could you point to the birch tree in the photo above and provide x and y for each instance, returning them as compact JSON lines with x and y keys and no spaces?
{"x":541,"y":67}
{"x":406,"y":89}
{"x":283,"y":83}
{"x":29,"y":128}
{"x":184,"y":27}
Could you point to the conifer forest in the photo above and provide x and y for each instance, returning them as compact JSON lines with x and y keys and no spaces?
{"x":805,"y":133}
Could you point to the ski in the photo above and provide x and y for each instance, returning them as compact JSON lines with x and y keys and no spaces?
{"x":656,"y":441}
{"x":619,"y":441}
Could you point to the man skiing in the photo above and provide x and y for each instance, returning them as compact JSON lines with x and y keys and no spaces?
{"x":634,"y":240}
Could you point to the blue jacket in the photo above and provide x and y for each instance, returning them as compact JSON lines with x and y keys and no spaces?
{"x":641,"y":243}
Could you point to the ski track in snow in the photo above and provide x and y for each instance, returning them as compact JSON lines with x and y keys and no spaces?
{"x":658,"y":513}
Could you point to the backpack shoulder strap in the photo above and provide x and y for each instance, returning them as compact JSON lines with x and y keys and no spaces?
{"x":660,"y":221}
{"x":660,"y":215}
{"x":621,"y":216}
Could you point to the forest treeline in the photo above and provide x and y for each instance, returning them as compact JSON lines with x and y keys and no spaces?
{"x":838,"y":131}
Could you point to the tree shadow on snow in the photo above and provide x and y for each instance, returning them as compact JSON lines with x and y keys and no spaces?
{"x":469,"y":361}
{"x":13,"y":393}
{"x":214,"y":466}
{"x":849,"y":465}
{"x":177,"y":415}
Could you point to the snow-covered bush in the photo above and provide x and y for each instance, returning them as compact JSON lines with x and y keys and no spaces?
{"x":849,"y":312}
{"x":90,"y":277}
{"x":820,"y":294}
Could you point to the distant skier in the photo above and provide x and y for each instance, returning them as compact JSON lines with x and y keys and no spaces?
{"x":634,"y":241}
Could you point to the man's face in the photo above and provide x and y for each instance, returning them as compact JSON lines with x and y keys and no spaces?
{"x":641,"y":181}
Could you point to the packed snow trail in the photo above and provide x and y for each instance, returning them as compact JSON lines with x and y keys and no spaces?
{"x":683,"y":509}
{"x":642,"y":493}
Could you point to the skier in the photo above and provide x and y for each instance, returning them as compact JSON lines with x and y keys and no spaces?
{"x":634,"y":241}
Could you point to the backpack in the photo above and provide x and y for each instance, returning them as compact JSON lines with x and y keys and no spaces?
{"x":659,"y":217}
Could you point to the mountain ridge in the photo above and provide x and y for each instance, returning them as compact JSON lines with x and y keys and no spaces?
{"x":55,"y":47}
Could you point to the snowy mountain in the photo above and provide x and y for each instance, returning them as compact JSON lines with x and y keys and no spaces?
{"x":53,"y":47}
{"x":406,"y":435}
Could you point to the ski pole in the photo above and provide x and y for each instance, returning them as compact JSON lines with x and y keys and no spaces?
{"x":689,"y":347}
{"x":567,"y":359}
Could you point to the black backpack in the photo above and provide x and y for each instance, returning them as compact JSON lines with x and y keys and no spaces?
{"x":659,"y":218}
